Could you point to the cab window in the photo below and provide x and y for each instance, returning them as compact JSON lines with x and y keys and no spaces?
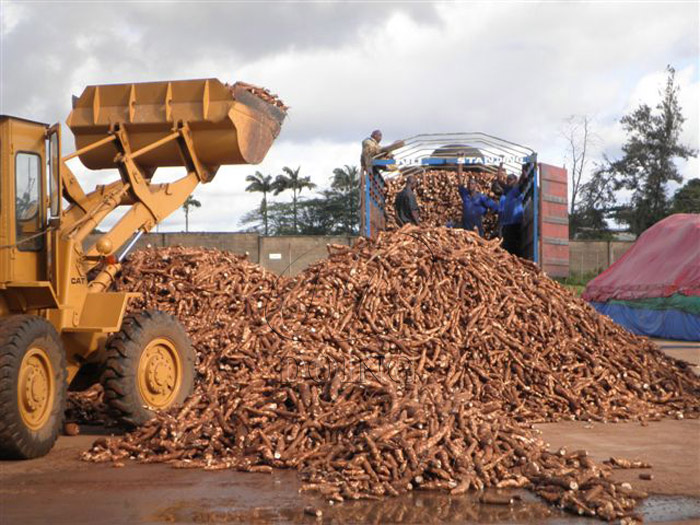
{"x":27,"y":201}
{"x":54,"y":182}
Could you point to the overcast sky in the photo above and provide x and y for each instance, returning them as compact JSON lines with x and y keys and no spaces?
{"x":511,"y":69}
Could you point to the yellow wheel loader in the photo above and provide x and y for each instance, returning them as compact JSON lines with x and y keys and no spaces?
{"x":59,"y":323}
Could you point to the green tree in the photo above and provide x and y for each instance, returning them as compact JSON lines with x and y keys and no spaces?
{"x":687,"y":198}
{"x":647,"y":164}
{"x":588,"y":221}
{"x":317,"y":216}
{"x":262,"y":184}
{"x":281,"y":218}
{"x":278,"y":214}
{"x":291,"y":180}
{"x":344,"y":197}
{"x":190,"y":202}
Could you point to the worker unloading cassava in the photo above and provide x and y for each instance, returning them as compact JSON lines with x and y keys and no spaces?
{"x":60,"y":325}
{"x":406,"y":203}
{"x":474,"y":205}
{"x":371,"y":151}
{"x":511,"y":209}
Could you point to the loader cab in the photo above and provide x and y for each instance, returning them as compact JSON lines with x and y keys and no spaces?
{"x":29,"y":200}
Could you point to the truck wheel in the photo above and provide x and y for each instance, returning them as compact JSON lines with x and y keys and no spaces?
{"x":32,"y":386}
{"x":149,"y":367}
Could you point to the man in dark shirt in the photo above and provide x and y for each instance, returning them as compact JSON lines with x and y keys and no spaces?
{"x":406,"y":204}
{"x":474,"y":206}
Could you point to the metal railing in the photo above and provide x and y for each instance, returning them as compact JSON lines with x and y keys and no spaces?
{"x":454,"y":149}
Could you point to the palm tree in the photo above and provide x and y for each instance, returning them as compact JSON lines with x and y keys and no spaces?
{"x":263,"y":184}
{"x":190,"y":202}
{"x":345,"y":184}
{"x":290,"y":180}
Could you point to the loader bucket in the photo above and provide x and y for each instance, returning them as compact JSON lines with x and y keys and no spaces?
{"x":229,"y":124}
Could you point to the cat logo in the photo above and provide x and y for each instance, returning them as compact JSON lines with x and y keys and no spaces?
{"x":78,"y":280}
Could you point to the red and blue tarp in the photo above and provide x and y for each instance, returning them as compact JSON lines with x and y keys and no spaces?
{"x":654,"y":288}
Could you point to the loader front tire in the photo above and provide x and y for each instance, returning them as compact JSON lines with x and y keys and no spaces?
{"x":149,"y":368}
{"x":32,"y":386}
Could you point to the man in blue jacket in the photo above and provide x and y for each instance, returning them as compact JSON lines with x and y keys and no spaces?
{"x":511,"y":212}
{"x":474,"y":206}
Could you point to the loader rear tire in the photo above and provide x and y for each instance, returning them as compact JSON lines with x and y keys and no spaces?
{"x":32,"y":386}
{"x":149,"y":368}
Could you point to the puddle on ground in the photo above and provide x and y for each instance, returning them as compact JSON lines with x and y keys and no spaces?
{"x":417,"y":507}
{"x":669,"y":508}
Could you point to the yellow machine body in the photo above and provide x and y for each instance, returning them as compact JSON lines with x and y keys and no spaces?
{"x":136,"y":128}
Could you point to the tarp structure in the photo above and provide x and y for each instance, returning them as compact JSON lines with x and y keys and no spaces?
{"x":654,"y":288}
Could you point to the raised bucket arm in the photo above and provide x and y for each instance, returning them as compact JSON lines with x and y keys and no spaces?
{"x":198,"y":125}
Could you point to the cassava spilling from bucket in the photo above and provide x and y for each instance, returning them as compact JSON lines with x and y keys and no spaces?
{"x":415,"y":361}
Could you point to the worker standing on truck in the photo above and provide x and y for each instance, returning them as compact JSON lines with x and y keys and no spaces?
{"x":370,"y":149}
{"x":497,"y":191}
{"x":406,"y":204}
{"x":511,"y":212}
{"x":474,"y":206}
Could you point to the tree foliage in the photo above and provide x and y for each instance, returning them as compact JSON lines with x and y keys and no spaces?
{"x":261,"y":184}
{"x":647,"y":164}
{"x":687,"y":198}
{"x":190,"y":202}
{"x":641,"y":175}
{"x":345,"y":198}
{"x":291,"y":180}
{"x":588,"y":221}
{"x":332,"y":211}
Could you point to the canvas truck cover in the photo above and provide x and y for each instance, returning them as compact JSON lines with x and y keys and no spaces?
{"x":664,"y":261}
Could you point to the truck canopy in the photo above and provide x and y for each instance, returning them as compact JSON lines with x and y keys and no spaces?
{"x":454,"y":151}
{"x":449,"y":150}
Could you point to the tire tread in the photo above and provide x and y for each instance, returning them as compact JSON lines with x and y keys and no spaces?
{"x":124,"y":349}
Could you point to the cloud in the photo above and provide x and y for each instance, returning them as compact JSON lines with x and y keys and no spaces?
{"x":514,"y":70}
{"x":11,"y":13}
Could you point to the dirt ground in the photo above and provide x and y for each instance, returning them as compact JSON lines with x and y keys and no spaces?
{"x":59,"y":488}
{"x":672,"y":448}
{"x":684,"y":350}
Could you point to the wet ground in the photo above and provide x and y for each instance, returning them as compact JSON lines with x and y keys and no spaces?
{"x":59,"y":488}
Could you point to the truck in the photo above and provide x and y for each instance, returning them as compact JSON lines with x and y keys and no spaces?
{"x":60,"y":325}
{"x":545,"y":231}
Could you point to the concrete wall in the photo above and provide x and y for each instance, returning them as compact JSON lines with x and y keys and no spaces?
{"x":291,"y":254}
{"x":239,"y":243}
{"x":286,"y":255}
{"x":587,"y":257}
